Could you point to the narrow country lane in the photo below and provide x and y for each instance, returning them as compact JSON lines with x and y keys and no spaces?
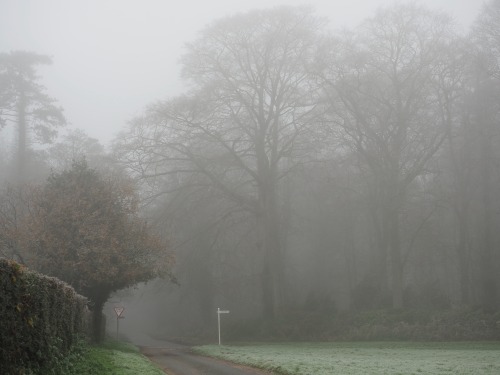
{"x":177,"y":359}
{"x":180,"y":361}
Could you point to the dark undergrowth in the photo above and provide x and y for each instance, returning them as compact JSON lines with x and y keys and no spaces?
{"x":373,"y":325}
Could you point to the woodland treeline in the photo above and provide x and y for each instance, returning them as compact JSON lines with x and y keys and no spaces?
{"x":310,"y":169}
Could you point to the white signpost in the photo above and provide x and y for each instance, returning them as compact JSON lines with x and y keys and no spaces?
{"x":118,"y":311}
{"x":219,"y":311}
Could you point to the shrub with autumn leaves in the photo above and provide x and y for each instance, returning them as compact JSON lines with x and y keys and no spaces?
{"x":84,"y":228}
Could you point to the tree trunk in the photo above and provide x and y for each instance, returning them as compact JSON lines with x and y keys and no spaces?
{"x":463,"y":260}
{"x":396,"y":263}
{"x":97,"y":321}
{"x":268,"y":296}
{"x":272,"y":275}
{"x":350,"y":256}
{"x":461,"y":210}
{"x":383,"y":246}
{"x":22,"y":143}
{"x":380,"y":222}
{"x":99,"y":297}
{"x":488,"y":286}
{"x":268,"y":221}
{"x":205,"y":287}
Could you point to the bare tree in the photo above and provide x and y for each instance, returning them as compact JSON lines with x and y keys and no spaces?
{"x":486,"y":33}
{"x":74,"y":146}
{"x":383,"y":88}
{"x":460,"y":143}
{"x":244,"y":126}
{"x":485,"y":116}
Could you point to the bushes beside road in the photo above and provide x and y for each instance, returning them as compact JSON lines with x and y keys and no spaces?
{"x":41,"y":318}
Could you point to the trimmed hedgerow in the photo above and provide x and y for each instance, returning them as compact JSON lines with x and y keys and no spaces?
{"x":40,"y":316}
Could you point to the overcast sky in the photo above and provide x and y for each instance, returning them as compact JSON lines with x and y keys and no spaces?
{"x":113,"y":57}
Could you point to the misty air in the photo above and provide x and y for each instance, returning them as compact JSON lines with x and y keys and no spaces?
{"x":256,"y":187}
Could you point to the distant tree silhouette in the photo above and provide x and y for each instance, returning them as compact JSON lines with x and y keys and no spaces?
{"x":23,"y":102}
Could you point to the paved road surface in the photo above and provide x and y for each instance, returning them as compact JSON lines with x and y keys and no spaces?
{"x":177,"y":359}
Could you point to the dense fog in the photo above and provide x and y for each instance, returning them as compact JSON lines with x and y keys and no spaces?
{"x":304,"y":172}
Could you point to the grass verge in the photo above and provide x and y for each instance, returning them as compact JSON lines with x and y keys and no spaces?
{"x":110,"y":358}
{"x":365,"y":358}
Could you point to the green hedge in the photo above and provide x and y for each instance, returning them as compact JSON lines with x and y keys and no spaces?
{"x":40,"y":319}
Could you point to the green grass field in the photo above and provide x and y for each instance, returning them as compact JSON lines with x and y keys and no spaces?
{"x":111,"y":358}
{"x":364,"y":358}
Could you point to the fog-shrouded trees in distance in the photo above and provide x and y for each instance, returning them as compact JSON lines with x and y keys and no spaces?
{"x":384,"y":85}
{"x":25,"y":103}
{"x":246,"y":124}
{"x":303,"y":171}
{"x":484,"y":119}
{"x":356,"y":169}
{"x":76,"y":145}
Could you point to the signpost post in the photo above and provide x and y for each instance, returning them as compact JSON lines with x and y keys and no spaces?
{"x":219,"y":311}
{"x":118,"y":311}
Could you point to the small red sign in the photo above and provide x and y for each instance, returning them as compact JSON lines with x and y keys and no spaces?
{"x":119,"y":311}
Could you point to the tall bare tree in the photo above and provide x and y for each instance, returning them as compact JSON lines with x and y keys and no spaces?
{"x":244,"y":126}
{"x":486,"y":118}
{"x":383,"y":88}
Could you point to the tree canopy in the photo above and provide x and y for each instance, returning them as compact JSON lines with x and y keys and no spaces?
{"x":334,"y":163}
{"x":85,"y":229}
{"x":244,"y":127}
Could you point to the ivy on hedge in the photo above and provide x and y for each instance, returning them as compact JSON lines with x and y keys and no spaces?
{"x":40,"y":319}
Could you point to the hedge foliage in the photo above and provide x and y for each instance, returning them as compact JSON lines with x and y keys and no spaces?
{"x":41,"y":318}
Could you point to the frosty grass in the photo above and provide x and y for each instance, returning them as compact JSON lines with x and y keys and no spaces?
{"x":364,"y":358}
